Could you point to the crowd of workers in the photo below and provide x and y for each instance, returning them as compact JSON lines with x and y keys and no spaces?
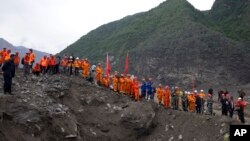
{"x":169,"y":97}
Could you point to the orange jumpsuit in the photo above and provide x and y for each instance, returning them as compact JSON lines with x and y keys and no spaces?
{"x":136,"y":90}
{"x":64,"y":63}
{"x":17,"y":60}
{"x":166,"y":98}
{"x":7,"y":56}
{"x":98,"y":75}
{"x":3,"y":54}
{"x":85,"y":69}
{"x":115,"y":83}
{"x":191,"y":103}
{"x":159,"y":93}
{"x":122,"y":85}
{"x":32,"y":57}
{"x":36,"y":68}
{"x":105,"y":81}
{"x":128,"y":83}
{"x":77,"y":63}
{"x":44,"y":62}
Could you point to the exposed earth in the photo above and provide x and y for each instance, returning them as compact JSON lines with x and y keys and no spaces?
{"x":63,"y":108}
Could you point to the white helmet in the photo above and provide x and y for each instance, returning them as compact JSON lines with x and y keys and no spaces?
{"x":202,"y":91}
{"x":195,"y":91}
{"x":77,"y":58}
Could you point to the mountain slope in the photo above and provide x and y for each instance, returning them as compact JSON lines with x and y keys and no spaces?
{"x":21,"y":49}
{"x":170,"y":43}
{"x":63,"y":108}
{"x":232,"y":17}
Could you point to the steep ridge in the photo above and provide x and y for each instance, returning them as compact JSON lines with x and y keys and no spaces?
{"x":173,"y":43}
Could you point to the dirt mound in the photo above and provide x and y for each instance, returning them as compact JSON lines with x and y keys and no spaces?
{"x":61,"y":108}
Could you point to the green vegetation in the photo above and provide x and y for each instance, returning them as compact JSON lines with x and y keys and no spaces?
{"x":175,"y":38}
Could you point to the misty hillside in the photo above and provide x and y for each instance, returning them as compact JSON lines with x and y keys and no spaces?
{"x":21,"y":49}
{"x":175,"y":44}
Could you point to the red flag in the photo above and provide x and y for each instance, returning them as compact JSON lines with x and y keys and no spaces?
{"x":108,"y":67}
{"x":126,"y":65}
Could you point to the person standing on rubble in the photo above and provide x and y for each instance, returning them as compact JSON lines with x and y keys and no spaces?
{"x":8,"y":73}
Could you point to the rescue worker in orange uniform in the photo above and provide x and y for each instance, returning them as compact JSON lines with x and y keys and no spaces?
{"x":136,"y":88}
{"x":191,"y":102}
{"x":2,"y":56}
{"x":36,"y":69}
{"x":166,"y":97}
{"x":52,"y":64}
{"x":128,"y":83}
{"x":32,"y":58}
{"x":99,"y":72}
{"x":105,"y":81}
{"x":44,"y":64}
{"x":26,"y":60}
{"x":115,"y":81}
{"x":122,"y":84}
{"x":17,"y":60}
{"x":7,"y":55}
{"x":202,"y":95}
{"x":64,"y":63}
{"x":159,"y":92}
{"x":85,"y":68}
{"x":77,"y":65}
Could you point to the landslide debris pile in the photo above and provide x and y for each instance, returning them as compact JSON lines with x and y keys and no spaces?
{"x":62,"y":108}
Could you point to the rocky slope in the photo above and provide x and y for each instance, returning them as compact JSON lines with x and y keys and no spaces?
{"x":62,"y":108}
{"x":175,"y":44}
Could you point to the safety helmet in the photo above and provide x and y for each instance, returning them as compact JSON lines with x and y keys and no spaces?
{"x":77,"y":58}
{"x":202,"y":91}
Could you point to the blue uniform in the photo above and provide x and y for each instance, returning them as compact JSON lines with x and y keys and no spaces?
{"x":143,"y":89}
{"x":149,"y":90}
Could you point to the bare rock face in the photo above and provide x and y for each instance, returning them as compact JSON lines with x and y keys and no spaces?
{"x":138,"y":117}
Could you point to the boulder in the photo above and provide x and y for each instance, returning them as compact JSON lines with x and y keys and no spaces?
{"x":138,"y":117}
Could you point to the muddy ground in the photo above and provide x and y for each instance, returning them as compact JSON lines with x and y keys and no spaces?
{"x":62,"y":108}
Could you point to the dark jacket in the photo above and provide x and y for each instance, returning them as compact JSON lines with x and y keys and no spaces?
{"x":9,"y":69}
